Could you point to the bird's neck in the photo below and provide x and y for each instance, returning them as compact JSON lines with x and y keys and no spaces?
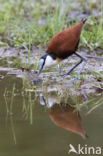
{"x":58,"y":60}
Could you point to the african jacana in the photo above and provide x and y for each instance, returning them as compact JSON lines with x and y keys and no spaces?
{"x":66,"y":117}
{"x":63,"y":45}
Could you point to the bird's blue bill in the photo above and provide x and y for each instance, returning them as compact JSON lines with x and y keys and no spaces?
{"x":41,"y":66}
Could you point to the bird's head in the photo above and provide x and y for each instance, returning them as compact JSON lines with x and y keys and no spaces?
{"x":47,"y":61}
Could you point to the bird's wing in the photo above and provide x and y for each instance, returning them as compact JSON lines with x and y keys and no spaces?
{"x":63,"y":46}
{"x":66,"y":42}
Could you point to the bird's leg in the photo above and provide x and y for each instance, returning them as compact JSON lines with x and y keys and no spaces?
{"x":59,"y":68}
{"x":84,"y":60}
{"x":81,"y":60}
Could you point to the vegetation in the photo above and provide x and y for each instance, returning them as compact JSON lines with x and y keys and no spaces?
{"x":25,"y":23}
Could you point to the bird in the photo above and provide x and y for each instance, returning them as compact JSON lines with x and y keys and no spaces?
{"x":67,"y":118}
{"x":61,"y":46}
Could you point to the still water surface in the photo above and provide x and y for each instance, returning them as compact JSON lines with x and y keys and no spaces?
{"x":39,"y":130}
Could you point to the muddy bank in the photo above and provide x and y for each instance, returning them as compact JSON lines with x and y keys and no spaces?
{"x":22,"y":64}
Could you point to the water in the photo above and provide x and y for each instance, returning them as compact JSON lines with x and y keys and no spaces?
{"x":29,"y":127}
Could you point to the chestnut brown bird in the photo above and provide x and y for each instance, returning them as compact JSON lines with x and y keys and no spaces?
{"x":66,"y":117}
{"x":63,"y":45}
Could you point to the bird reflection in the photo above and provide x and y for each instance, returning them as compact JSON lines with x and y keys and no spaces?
{"x":64,"y":116}
{"x":67,"y":118}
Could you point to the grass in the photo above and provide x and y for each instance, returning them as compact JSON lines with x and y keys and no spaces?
{"x":91,"y":105}
{"x":92,"y":37}
{"x":35,"y":22}
{"x":20,"y":29}
{"x":98,"y":74}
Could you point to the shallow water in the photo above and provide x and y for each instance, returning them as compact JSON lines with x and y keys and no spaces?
{"x":29,"y":126}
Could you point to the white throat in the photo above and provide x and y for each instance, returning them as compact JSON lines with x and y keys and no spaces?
{"x":50,"y":62}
